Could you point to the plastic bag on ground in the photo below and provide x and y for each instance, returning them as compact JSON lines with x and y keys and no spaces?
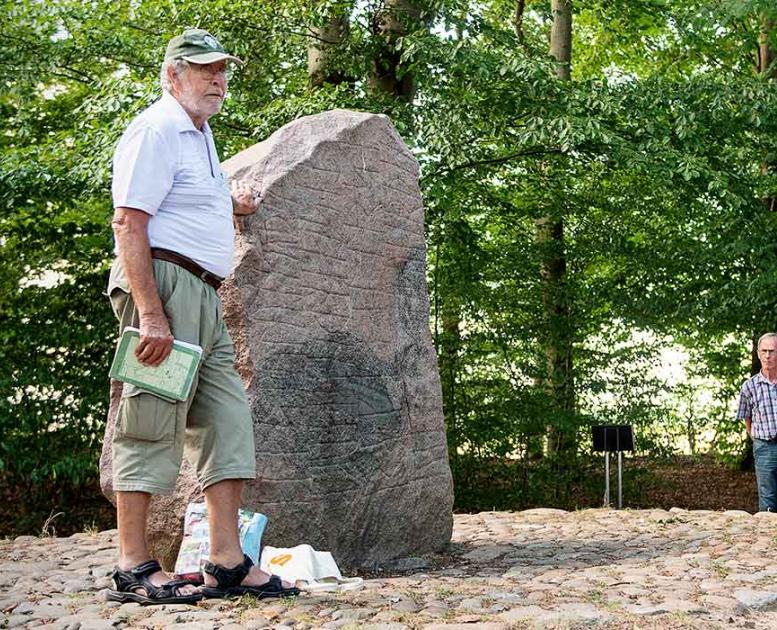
{"x":195,"y":546}
{"x":308,"y":569}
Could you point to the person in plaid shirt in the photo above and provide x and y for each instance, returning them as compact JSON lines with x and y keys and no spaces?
{"x":758,"y":408}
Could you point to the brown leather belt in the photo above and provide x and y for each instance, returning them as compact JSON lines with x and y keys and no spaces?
{"x":187,"y":263}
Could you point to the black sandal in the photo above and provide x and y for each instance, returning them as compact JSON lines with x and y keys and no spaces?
{"x":127,"y":583}
{"x":229,"y":580}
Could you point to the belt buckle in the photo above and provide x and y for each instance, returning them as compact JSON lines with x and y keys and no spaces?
{"x":205,"y":275}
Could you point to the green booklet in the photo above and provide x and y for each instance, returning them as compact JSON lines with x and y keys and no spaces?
{"x":171,"y":379}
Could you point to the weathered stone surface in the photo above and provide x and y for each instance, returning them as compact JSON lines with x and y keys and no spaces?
{"x":329,"y":308}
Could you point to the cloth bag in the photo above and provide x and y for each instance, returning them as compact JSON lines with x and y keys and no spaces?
{"x":195,"y":546}
{"x":308,"y":569}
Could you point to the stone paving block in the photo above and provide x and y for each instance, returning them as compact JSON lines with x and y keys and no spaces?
{"x":466,"y":626}
{"x":15,"y":621}
{"x":8,"y":578}
{"x":719,"y":602}
{"x":47,"y":611}
{"x":646,"y":609}
{"x":521,"y":613}
{"x":406,"y":606}
{"x":564,"y":613}
{"x":23,"y":608}
{"x":352,"y":614}
{"x":750,"y":599}
{"x":435,"y":610}
{"x":487,"y":554}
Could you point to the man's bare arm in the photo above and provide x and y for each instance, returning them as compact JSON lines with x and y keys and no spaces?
{"x":748,"y":425}
{"x":131,"y":229}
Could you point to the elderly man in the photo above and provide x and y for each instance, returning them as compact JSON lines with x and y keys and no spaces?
{"x":173,"y":223}
{"x":758,"y":408}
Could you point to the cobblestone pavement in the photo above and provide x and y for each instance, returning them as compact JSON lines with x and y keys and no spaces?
{"x":533,"y":569}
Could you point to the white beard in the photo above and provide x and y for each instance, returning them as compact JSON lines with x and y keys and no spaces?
{"x":198,"y":107}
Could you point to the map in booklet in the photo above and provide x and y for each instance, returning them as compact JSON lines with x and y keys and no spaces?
{"x":171,"y":379}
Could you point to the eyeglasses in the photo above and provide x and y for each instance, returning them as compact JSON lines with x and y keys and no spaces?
{"x":211,"y":70}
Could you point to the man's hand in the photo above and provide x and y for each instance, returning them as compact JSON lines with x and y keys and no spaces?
{"x":243,"y":200}
{"x":156,"y":341}
{"x":130,"y":226}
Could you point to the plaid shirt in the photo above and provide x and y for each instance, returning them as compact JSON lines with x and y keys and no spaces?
{"x":758,"y":401}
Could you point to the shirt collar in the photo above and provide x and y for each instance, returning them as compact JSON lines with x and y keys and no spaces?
{"x":181,"y":119}
{"x":760,"y":378}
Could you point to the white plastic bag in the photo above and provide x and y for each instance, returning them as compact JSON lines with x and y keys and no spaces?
{"x":195,"y":546}
{"x":309,"y":569}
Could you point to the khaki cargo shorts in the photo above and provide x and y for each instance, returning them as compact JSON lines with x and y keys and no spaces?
{"x":213,"y":428}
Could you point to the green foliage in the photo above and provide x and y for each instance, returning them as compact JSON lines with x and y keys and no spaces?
{"x":651,"y":156}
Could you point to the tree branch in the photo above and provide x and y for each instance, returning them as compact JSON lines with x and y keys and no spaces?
{"x":79,"y":79}
{"x":309,"y":34}
{"x":243,"y":131}
{"x":143,"y":29}
{"x":504,"y":158}
{"x":520,"y":5}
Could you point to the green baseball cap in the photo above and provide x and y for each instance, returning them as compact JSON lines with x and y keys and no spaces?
{"x":197,"y":46}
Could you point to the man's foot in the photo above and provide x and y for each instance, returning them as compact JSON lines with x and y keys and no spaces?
{"x":255,"y":577}
{"x":146,"y":583}
{"x":159,"y":578}
{"x":231,"y":580}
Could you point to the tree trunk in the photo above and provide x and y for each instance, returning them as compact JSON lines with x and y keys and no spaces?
{"x":322,"y":45}
{"x":766,"y":66}
{"x":450,"y":344}
{"x":393,"y":21}
{"x":746,"y":461}
{"x":561,"y":37}
{"x":549,"y":235}
{"x":768,"y":70}
{"x":520,"y":6}
{"x":557,"y":350}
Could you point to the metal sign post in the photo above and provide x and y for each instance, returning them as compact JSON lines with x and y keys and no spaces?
{"x":613,"y":438}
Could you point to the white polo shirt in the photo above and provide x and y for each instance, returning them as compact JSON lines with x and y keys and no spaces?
{"x":165,"y":166}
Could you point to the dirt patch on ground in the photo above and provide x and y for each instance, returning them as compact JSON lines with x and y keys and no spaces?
{"x":695,"y":484}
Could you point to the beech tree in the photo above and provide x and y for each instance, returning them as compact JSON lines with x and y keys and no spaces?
{"x":575,"y":227}
{"x":558,"y":343}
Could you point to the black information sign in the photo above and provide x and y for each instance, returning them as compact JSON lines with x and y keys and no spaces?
{"x":613,"y":438}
